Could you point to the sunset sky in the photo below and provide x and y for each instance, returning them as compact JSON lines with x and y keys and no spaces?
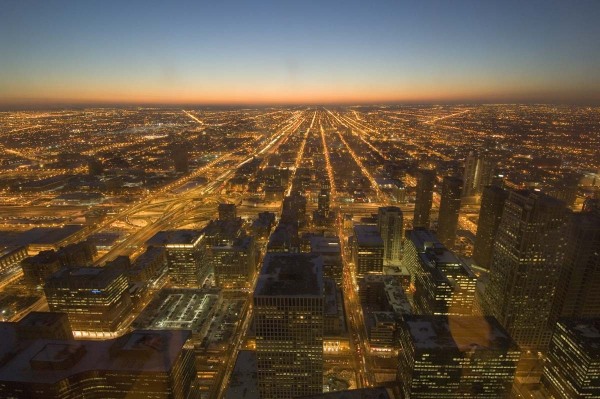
{"x":272,"y":52}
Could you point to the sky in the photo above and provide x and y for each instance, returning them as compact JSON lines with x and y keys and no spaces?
{"x":298,"y":52}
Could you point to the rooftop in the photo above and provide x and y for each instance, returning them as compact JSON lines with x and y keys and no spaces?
{"x":291,"y":274}
{"x":367,"y":235}
{"x":96,"y":277}
{"x":463,"y":333}
{"x":364,"y":393}
{"x":243,"y":383}
{"x":586,"y":333}
{"x":65,"y":358}
{"x":175,"y":237}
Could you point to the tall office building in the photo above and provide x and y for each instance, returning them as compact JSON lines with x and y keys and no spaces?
{"x":424,"y":197}
{"x":479,"y":172}
{"x":490,"y":213}
{"x":185,"y":255}
{"x":391,"y":228}
{"x":140,"y":364}
{"x":449,"y":210}
{"x":96,"y":299}
{"x":367,"y":250}
{"x":323,"y":202}
{"x":578,"y":292}
{"x":444,"y":285}
{"x":456,"y":357}
{"x":289,"y":308}
{"x":179,"y":152}
{"x":572,"y":366}
{"x":331,"y":251}
{"x":525,"y":267}
{"x":234,"y":265}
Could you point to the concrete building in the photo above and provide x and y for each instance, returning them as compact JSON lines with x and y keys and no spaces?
{"x":490,"y":213}
{"x":289,"y":307}
{"x":185,"y":256}
{"x":390,"y":223}
{"x":455,"y":357}
{"x":424,"y":197}
{"x":367,"y":250}
{"x":141,"y":364}
{"x":525,"y":267}
{"x":234,"y":265}
{"x":449,"y":210}
{"x":572,"y":367}
{"x":96,"y":299}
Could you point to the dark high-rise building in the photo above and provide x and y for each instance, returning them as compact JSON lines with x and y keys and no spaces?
{"x":455,"y":357}
{"x":140,"y":364}
{"x":572,"y":366}
{"x":96,"y":299}
{"x":234,"y":265}
{"x":449,"y":210}
{"x":367,"y":250}
{"x":390,"y":222}
{"x":179,"y":152}
{"x":36,"y":269}
{"x":444,"y":285}
{"x":331,"y":251}
{"x":227,"y":211}
{"x":424,"y":197}
{"x":490,"y":213}
{"x":323,"y":202}
{"x":185,"y":255}
{"x":578,"y":292}
{"x":525,"y":267}
{"x":479,"y":172}
{"x":289,"y":308}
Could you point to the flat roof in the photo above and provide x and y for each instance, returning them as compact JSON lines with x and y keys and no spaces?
{"x":325,"y":245}
{"x":363,"y":393}
{"x":179,"y":308}
{"x":138,"y":351}
{"x":96,"y":277}
{"x":47,"y":235}
{"x":175,"y":237}
{"x":586,"y":333}
{"x":463,"y":333}
{"x":291,"y":274}
{"x":367,"y":235}
{"x":243,"y":383}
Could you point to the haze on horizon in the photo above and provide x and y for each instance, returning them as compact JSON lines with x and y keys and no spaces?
{"x":271,"y":52}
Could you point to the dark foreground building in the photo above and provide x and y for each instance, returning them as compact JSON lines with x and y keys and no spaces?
{"x":141,"y":364}
{"x":455,"y":357}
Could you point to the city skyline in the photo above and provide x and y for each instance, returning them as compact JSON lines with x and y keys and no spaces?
{"x":64,"y":54}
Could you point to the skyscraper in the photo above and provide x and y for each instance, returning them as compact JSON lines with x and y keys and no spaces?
{"x":391,"y":228}
{"x":185,"y":252}
{"x":457,"y":357}
{"x":490,"y":213}
{"x":479,"y":172}
{"x":289,"y":308}
{"x":234,"y":265}
{"x":572,"y":367}
{"x":444,"y":285}
{"x":96,"y":299}
{"x":367,"y":251}
{"x":578,"y":292}
{"x":526,"y":267}
{"x":424,"y":197}
{"x":323,"y":202}
{"x":449,"y":210}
